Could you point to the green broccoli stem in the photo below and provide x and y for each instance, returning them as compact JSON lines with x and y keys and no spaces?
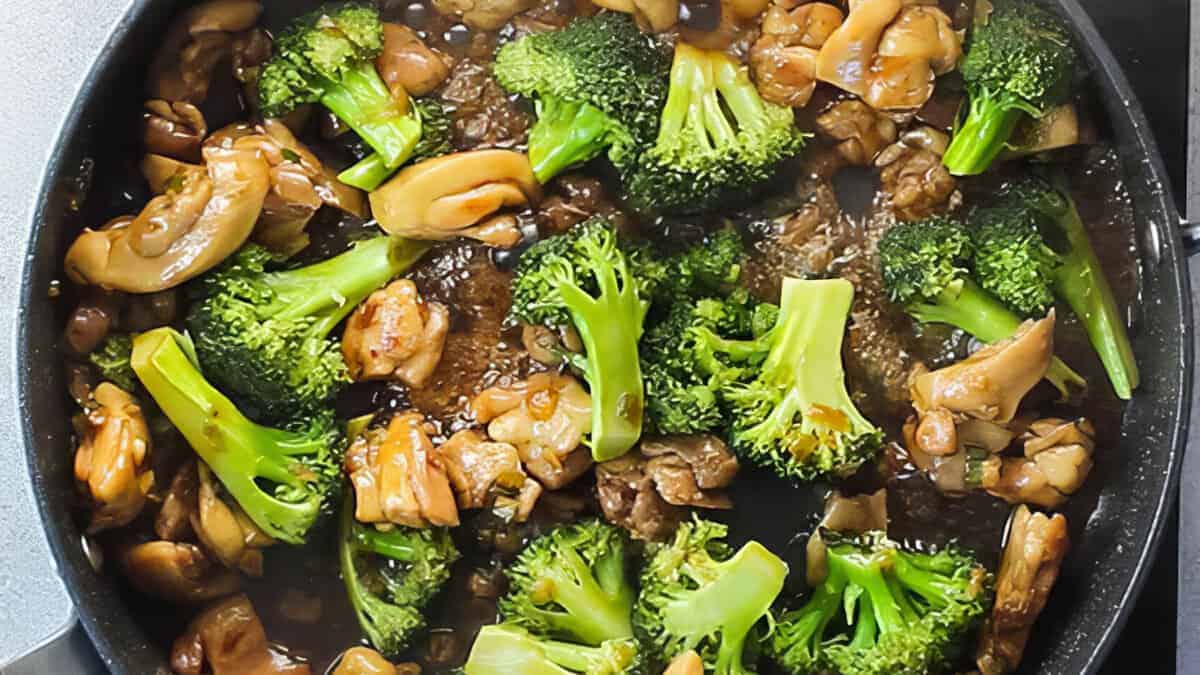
{"x":609,"y":327}
{"x":592,"y":616}
{"x":368,"y":173}
{"x":503,"y":650}
{"x":1081,"y":283}
{"x":566,"y":134}
{"x":741,"y":592}
{"x":238,"y":450}
{"x":364,"y":604}
{"x":329,"y":290}
{"x":363,"y":101}
{"x":391,"y":544}
{"x":976,"y":144}
{"x":974,"y":310}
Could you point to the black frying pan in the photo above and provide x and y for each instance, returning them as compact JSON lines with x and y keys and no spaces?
{"x":1135,"y":483}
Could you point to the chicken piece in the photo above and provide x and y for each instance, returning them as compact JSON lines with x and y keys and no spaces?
{"x":177,"y":572}
{"x":643,"y":490}
{"x":174,"y":519}
{"x":783,"y":60}
{"x":483,"y":15}
{"x":653,"y":15}
{"x":111,"y":460}
{"x":863,"y":133}
{"x":687,"y":663}
{"x":936,"y":434}
{"x":394,"y":334}
{"x":1032,"y":558}
{"x":228,"y":639}
{"x":860,"y":513}
{"x":460,"y":194}
{"x":481,"y":471}
{"x":1058,"y":458}
{"x":300,"y":184}
{"x":366,"y":661}
{"x":173,"y":128}
{"x":224,"y":528}
{"x":545,"y":417}
{"x":990,"y":383}
{"x":194,"y":44}
{"x":399,"y":477}
{"x":888,"y":53}
{"x":913,"y":176}
{"x":408,"y":64}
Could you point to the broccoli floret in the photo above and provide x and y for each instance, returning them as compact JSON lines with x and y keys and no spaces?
{"x":790,"y":409}
{"x":506,"y":650}
{"x":112,"y":360}
{"x":883,"y":610}
{"x":282,"y":478}
{"x":1020,"y":60}
{"x":391,"y":576}
{"x":598,"y":84}
{"x":328,"y":57}
{"x":436,"y":136}
{"x":924,"y":265}
{"x":571,"y":584}
{"x":263,"y":337}
{"x":697,"y":594}
{"x":705,"y":269}
{"x":1011,"y":259}
{"x":584,"y":279}
{"x":1044,"y":222}
{"x":717,"y":141}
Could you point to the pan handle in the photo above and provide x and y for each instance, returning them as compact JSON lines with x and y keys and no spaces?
{"x":69,"y":651}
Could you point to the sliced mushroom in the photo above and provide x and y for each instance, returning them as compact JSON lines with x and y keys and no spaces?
{"x":399,"y":477}
{"x":1058,"y":128}
{"x":394,"y":334}
{"x":708,"y":457}
{"x":919,"y":45}
{"x":629,"y":499}
{"x":177,"y":572}
{"x":845,"y":59}
{"x":784,"y":58}
{"x":458,"y":195}
{"x":111,"y":461}
{"x":913,"y":176}
{"x":862,"y":132}
{"x":229,"y":639}
{"x":483,"y":472}
{"x":483,"y":14}
{"x":224,"y":528}
{"x":545,"y":417}
{"x":860,"y":513}
{"x":203,"y":217}
{"x":174,"y":519}
{"x":990,"y":383}
{"x":174,"y":129}
{"x":1033,"y":556}
{"x":195,"y":43}
{"x":407,"y":63}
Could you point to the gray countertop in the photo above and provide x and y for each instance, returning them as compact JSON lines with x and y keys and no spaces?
{"x":48,"y":47}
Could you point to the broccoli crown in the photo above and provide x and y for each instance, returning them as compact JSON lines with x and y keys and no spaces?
{"x":571,"y":583}
{"x":281,"y":477}
{"x":707,"y":268}
{"x":717,"y":139}
{"x":390,"y":577}
{"x":603,"y":61}
{"x":1012,"y":260}
{"x":696,"y":593}
{"x":437,"y":132}
{"x":920,"y":260}
{"x":793,"y":414}
{"x":584,"y":279}
{"x":506,"y":649}
{"x":1023,"y":53}
{"x":883,"y":610}
{"x":318,"y":49}
{"x":263,"y":336}
{"x":112,"y":360}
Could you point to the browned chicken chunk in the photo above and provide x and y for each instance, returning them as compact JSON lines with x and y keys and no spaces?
{"x":545,"y":417}
{"x":1057,"y":460}
{"x":484,"y":472}
{"x":395,"y":334}
{"x":860,"y":513}
{"x":407,"y":63}
{"x":365,"y":661}
{"x":862,"y":133}
{"x":229,"y":639}
{"x":178,"y":572}
{"x":483,"y":14}
{"x":399,"y":476}
{"x":913,"y":176}
{"x":1036,"y":546}
{"x":112,"y":458}
{"x":783,"y":60}
{"x":196,"y":42}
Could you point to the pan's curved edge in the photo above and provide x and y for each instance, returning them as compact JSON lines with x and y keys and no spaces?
{"x":1171,"y":244}
{"x":55,"y":171}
